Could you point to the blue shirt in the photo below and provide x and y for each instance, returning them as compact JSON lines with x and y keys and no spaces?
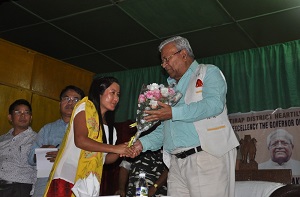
{"x":180,"y":132}
{"x":51,"y":134}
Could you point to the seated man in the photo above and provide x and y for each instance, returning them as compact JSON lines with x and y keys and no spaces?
{"x":280,"y":145}
{"x":156,"y":174}
{"x":16,"y":175}
{"x":149,"y":162}
{"x":51,"y":135}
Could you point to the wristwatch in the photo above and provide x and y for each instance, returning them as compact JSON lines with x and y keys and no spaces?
{"x":155,"y":185}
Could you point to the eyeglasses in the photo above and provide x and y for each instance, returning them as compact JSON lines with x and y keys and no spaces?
{"x":68,"y":99}
{"x":282,"y":143}
{"x":167,"y":59}
{"x":19,"y":113}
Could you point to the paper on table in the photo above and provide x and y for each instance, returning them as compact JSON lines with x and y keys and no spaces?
{"x":43,"y":165}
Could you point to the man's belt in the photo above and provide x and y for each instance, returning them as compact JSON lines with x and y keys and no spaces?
{"x":189,"y":152}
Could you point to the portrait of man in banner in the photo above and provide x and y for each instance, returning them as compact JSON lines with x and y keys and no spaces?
{"x":280,"y":144}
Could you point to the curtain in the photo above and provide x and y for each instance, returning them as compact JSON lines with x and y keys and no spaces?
{"x":257,"y":79}
{"x":263,"y":78}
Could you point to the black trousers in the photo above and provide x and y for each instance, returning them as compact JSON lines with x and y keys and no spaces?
{"x":15,"y":190}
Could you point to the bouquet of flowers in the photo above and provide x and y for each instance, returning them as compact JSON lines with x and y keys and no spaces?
{"x":148,"y":98}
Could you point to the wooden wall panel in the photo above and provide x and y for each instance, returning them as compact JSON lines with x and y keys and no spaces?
{"x":7,"y":96}
{"x":15,"y":65}
{"x":38,"y":79}
{"x":50,"y":76}
{"x":44,"y":110}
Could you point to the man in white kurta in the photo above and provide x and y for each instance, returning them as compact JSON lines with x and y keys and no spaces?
{"x":280,"y":145}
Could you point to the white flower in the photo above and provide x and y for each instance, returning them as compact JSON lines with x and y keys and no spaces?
{"x":164,"y":92}
{"x":152,"y":93}
{"x":146,"y":102}
{"x":153,"y":104}
{"x":161,"y":85}
{"x":153,"y":86}
{"x":147,"y":108}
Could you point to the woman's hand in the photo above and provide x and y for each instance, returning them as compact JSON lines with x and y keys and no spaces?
{"x":124,"y":150}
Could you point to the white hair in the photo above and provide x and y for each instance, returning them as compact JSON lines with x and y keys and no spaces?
{"x":279,"y":133}
{"x":180,"y":43}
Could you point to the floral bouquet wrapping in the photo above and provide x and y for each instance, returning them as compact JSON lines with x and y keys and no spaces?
{"x":147,"y":100}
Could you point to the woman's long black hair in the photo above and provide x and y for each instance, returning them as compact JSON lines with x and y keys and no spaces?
{"x":97,"y":88}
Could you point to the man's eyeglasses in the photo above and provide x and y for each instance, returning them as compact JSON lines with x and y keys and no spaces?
{"x":167,"y":59}
{"x":68,"y":99}
{"x":19,"y":113}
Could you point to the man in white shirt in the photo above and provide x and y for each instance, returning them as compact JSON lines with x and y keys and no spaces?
{"x":280,"y":145}
{"x":16,"y":175}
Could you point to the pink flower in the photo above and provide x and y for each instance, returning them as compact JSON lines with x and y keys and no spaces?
{"x":149,"y":94}
{"x":142,"y":98}
{"x":156,"y":94}
{"x":153,"y":104}
{"x":148,"y":100}
{"x":171,"y":91}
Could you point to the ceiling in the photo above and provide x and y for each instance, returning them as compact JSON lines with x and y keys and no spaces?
{"x":117,"y":35}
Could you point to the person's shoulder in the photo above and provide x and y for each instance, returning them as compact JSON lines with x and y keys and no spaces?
{"x":295,"y":162}
{"x":29,"y":133}
{"x":211,"y":67}
{"x":33,"y":133}
{"x":47,"y":126}
{"x":208,"y":65}
{"x":264,"y":165}
{"x":3,"y":135}
{"x":81,"y":106}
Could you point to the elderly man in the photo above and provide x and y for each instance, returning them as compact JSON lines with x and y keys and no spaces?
{"x":198,"y":140}
{"x":280,"y":145}
{"x":16,"y":175}
{"x":51,"y":135}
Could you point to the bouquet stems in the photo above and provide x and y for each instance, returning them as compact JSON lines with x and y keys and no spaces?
{"x":134,"y":138}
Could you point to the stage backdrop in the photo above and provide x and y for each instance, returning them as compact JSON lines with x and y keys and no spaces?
{"x":260,"y":124}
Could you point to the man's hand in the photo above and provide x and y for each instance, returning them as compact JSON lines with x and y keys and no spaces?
{"x":137,"y":147}
{"x":51,"y":156}
{"x":164,"y":113}
{"x":124,"y":151}
{"x":48,"y":146}
{"x":121,"y":193}
{"x":152,"y":190}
